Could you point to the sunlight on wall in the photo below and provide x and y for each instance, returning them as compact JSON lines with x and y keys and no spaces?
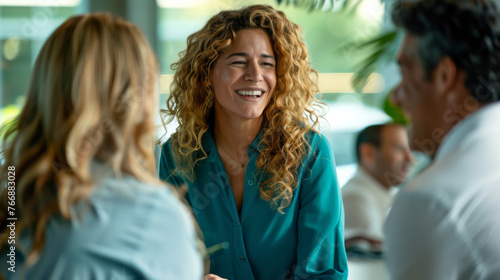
{"x":59,"y":3}
{"x":181,"y":3}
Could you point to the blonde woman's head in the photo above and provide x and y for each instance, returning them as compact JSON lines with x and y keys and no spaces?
{"x":92,"y":97}
{"x":93,"y":90}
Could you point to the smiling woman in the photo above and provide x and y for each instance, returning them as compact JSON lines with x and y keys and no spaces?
{"x":244,"y":77}
{"x":259,"y":176}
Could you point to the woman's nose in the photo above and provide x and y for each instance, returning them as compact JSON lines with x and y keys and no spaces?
{"x":253,"y":72}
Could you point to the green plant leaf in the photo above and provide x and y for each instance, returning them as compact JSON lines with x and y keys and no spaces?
{"x":382,"y":50}
{"x":393,"y":111}
{"x":380,"y":40}
{"x":318,"y":5}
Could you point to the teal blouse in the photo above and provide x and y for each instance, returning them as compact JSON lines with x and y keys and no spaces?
{"x":306,"y":242}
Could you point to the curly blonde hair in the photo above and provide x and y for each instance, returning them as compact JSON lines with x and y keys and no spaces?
{"x":288,"y":117}
{"x":90,"y":97}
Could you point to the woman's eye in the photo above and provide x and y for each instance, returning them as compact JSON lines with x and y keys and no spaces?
{"x":268,"y":64}
{"x":238,"y":62}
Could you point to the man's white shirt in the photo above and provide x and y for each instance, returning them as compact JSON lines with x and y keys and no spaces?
{"x":444,"y":224}
{"x":366,"y":203}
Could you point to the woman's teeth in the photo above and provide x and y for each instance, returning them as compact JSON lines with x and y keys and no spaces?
{"x":252,"y":93}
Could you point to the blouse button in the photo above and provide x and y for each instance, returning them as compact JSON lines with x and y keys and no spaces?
{"x":250,"y":182}
{"x":242,"y":259}
{"x":237,"y":223}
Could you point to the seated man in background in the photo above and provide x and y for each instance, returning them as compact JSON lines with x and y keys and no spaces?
{"x":383,"y":161}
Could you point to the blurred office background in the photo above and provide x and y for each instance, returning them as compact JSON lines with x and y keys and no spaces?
{"x":25,"y":24}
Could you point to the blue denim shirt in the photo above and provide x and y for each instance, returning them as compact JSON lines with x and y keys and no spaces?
{"x":306,"y":242}
{"x":126,"y":229}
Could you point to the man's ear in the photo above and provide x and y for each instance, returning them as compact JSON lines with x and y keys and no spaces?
{"x":367,"y":154}
{"x":446,"y":75}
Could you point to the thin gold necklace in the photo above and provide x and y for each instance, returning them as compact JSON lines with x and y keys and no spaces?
{"x":241,"y":164}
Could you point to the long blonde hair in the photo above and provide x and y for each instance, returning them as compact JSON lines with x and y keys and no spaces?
{"x":91,"y":97}
{"x":288,"y":117}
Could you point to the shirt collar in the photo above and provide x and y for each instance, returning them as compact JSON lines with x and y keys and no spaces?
{"x":484,"y":116}
{"x":256,"y":145}
{"x":381,"y":194}
{"x":208,"y":143}
{"x":363,"y":175}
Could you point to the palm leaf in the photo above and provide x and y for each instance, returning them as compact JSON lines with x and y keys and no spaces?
{"x":383,"y":39}
{"x":318,"y":5}
{"x":382,"y":49}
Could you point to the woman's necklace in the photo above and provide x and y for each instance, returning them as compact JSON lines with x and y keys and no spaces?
{"x":241,"y":164}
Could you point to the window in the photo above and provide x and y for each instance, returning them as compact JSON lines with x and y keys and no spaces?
{"x":24,"y":27}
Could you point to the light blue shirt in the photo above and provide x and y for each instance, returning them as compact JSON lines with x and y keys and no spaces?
{"x":306,"y":242}
{"x":127,"y":230}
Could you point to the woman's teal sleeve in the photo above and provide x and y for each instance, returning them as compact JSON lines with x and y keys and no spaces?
{"x":320,"y":251}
